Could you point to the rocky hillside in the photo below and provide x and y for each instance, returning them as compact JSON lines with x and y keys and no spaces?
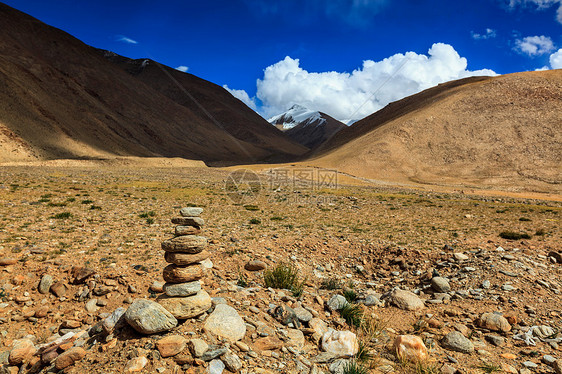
{"x":503,"y":132}
{"x":60,"y":98}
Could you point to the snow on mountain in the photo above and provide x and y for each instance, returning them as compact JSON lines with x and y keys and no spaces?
{"x":295,"y":116}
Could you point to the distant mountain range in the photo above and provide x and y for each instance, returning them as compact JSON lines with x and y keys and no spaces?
{"x":307,"y":127}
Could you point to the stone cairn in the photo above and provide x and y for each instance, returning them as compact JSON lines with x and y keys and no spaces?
{"x":183,"y":296}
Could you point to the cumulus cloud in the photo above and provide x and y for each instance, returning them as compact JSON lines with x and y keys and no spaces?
{"x":242,"y":96}
{"x":125,"y":39}
{"x":534,"y":45}
{"x":359,"y":93}
{"x":540,"y":5}
{"x":182,"y":68}
{"x":490,"y":33}
{"x":556,"y":59}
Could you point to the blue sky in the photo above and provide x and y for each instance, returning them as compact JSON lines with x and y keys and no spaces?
{"x":313,"y":52}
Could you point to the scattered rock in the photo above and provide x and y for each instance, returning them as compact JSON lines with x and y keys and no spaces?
{"x":558,"y":366}
{"x":110,"y":323}
{"x":58,"y":289}
{"x":136,"y":364}
{"x":22,"y":351}
{"x":45,"y":284}
{"x":149,"y":317}
{"x":198,"y":347}
{"x":410,"y":348}
{"x":302,"y":314}
{"x":496,"y":340}
{"x":226,"y":323}
{"x":340,"y":343}
{"x":80,"y":274}
{"x":455,"y":341}
{"x":336,"y":302}
{"x":494,"y":322}
{"x":215,"y":367}
{"x":406,"y":300}
{"x":232,"y":362}
{"x":69,"y":357}
{"x":91,"y":306}
{"x":171,"y":345}
{"x":255,"y":265}
{"x":440,"y":284}
{"x":268,"y":343}
{"x":6,"y":261}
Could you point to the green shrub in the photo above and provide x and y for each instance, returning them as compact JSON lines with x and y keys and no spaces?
{"x":255,"y":221}
{"x":86,"y":202}
{"x":350,"y":295}
{"x":284,"y":276}
{"x":352,"y":314}
{"x":251,"y":207}
{"x":524,"y":219}
{"x":147,"y":214}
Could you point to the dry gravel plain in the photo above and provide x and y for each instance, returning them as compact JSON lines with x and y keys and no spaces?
{"x":365,"y":239}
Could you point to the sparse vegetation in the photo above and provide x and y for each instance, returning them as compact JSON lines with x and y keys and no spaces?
{"x":284,"y":276}
{"x":255,"y":221}
{"x":331,"y":284}
{"x":350,"y":295}
{"x":488,"y":367}
{"x":354,"y":367}
{"x":352,"y":314}
{"x":63,"y":215}
{"x":147,"y":214}
{"x":251,"y":207}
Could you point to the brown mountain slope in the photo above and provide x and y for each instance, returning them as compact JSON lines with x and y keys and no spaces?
{"x":503,"y":132}
{"x":59,"y":98}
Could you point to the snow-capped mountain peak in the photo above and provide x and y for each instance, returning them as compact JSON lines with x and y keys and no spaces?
{"x":296,"y":115}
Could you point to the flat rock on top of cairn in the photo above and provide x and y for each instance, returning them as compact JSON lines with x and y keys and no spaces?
{"x":187,"y":244}
{"x":191,"y":212}
{"x":188,"y":221}
{"x":179,"y":258}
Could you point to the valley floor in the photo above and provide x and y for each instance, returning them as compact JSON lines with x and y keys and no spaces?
{"x":366,"y":238}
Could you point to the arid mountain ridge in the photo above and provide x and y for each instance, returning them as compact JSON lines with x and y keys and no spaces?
{"x":62,"y":99}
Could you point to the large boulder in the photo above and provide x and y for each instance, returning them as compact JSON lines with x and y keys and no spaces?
{"x":149,"y":317}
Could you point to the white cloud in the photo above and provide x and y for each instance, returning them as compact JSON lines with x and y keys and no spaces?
{"x":242,"y":96}
{"x":365,"y":90}
{"x":534,"y":45}
{"x":490,"y":33}
{"x":556,"y":59}
{"x":124,"y":39}
{"x":540,"y":5}
{"x":182,"y":68}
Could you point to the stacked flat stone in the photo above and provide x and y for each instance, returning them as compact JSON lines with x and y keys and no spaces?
{"x":183,"y":296}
